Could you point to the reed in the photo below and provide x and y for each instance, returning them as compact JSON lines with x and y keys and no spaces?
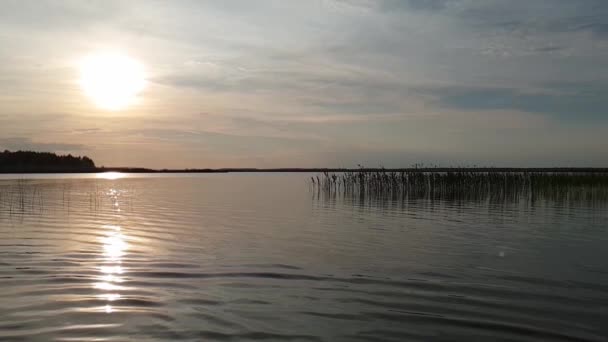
{"x":463,"y":184}
{"x":18,"y":196}
{"x":27,"y":197}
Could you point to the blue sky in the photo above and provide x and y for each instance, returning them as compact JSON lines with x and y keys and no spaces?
{"x":314,"y":83}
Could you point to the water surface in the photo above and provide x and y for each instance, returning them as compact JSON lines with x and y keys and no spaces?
{"x":265,"y":257}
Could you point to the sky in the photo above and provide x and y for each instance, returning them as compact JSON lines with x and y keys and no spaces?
{"x":318,"y":83}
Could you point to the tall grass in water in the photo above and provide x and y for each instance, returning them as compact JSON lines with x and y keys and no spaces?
{"x":27,"y":197}
{"x":19,"y":196}
{"x":466,"y":185}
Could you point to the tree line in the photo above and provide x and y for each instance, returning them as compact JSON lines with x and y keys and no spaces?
{"x":29,"y":161}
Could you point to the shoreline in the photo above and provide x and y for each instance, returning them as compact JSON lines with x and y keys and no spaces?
{"x":320,"y":170}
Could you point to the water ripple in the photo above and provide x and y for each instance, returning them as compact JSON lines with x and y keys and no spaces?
{"x":245,"y":257}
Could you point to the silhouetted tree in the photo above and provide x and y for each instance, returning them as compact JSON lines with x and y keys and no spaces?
{"x":28,"y":161}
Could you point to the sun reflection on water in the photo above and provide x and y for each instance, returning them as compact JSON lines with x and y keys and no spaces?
{"x":114,"y":247}
{"x":110,"y":175}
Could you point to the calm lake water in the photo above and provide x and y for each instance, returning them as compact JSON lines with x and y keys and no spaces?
{"x":231,"y":257}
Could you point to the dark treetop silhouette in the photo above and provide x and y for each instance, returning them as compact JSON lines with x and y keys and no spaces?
{"x":28,"y":161}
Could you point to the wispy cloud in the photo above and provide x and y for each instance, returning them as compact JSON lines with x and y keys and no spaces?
{"x":27,"y":144}
{"x":569,"y":102}
{"x":314,"y":81}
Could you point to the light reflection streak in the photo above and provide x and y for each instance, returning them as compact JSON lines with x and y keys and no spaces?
{"x":114,"y":247}
{"x":111,"y":270}
{"x":110,"y":175}
{"x":107,"y":286}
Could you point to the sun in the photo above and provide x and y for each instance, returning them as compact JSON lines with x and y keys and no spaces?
{"x":112,"y":80}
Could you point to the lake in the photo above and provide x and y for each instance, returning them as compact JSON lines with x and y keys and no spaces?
{"x":266,"y":257}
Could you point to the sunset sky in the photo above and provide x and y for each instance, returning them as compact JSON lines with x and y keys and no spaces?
{"x":312,"y":83}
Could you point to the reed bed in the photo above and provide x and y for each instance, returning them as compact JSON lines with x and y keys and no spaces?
{"x":27,"y":197}
{"x":472,"y":185}
{"x":19,"y":196}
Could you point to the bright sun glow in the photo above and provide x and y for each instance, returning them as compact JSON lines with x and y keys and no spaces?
{"x":110,"y":175}
{"x":112,"y":81}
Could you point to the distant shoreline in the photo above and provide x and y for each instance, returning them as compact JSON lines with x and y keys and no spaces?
{"x":317,"y":170}
{"x":31,"y":162}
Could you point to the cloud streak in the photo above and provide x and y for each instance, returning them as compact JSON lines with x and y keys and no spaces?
{"x":27,"y":144}
{"x":289,"y":81}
